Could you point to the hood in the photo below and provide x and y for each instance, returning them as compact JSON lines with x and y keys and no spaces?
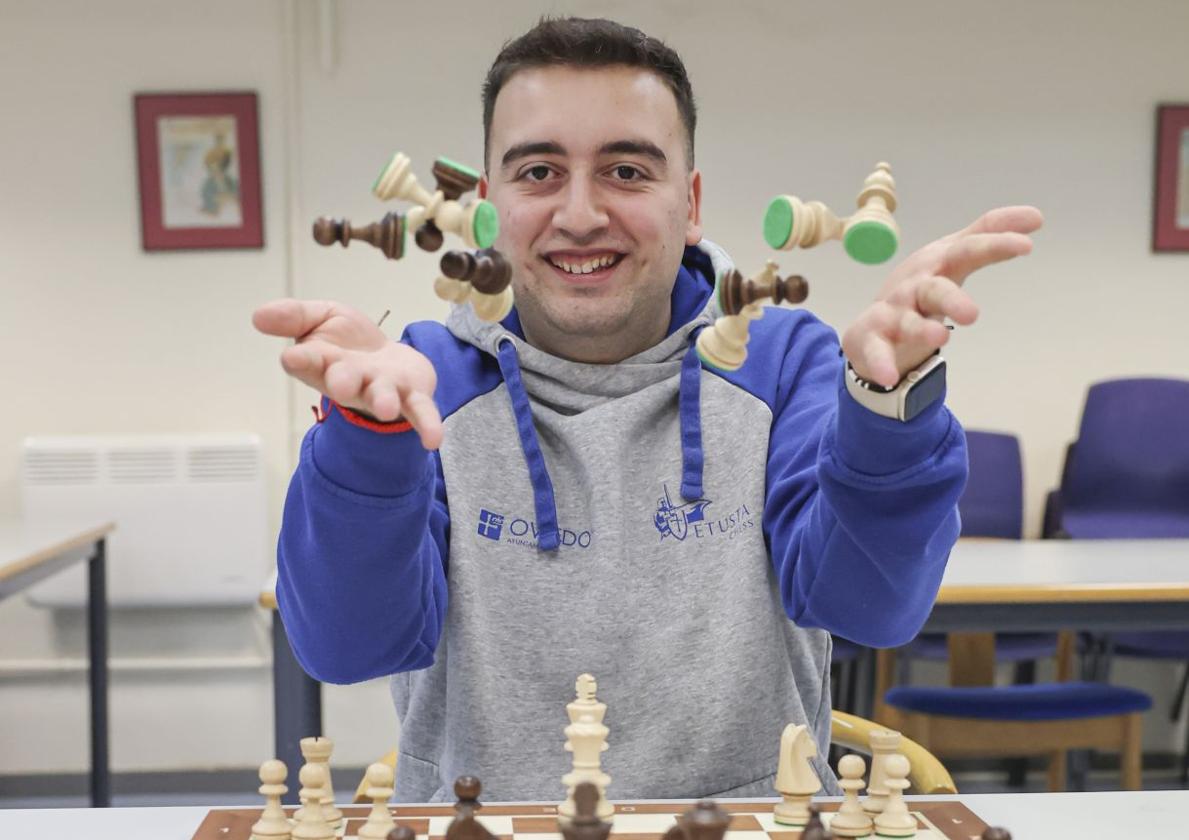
{"x":569,"y":387}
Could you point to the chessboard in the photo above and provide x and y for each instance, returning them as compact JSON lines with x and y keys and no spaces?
{"x":750,"y":820}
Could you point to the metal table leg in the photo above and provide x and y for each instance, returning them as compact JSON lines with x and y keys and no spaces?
{"x":97,"y":644}
{"x":297,"y":704}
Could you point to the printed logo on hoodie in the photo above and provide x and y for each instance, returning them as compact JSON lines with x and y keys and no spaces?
{"x":689,"y":519}
{"x":518,"y":530}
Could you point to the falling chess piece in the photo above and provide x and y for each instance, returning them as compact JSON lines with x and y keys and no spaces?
{"x":585,"y":824}
{"x":402,"y":832}
{"x":477,"y":222}
{"x":884,"y":744}
{"x":273,"y":824}
{"x":379,"y":823}
{"x":870,"y":236}
{"x":895,"y":819}
{"x":996,"y":833}
{"x":796,"y":780}
{"x":388,"y":234}
{"x":851,"y":820}
{"x":586,"y":739}
{"x":705,"y":821}
{"x":465,"y":825}
{"x":483,"y":278}
{"x":317,"y":750}
{"x":311,"y":824}
{"x":724,"y":346}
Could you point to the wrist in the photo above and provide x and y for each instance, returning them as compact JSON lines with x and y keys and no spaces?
{"x":916,"y":390}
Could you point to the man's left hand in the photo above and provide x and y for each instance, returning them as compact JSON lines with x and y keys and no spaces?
{"x":905,"y":324}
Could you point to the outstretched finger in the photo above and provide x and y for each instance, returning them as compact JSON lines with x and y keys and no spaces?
{"x":1018,"y":218}
{"x":309,"y":361}
{"x":422,"y":413}
{"x":969,"y":253}
{"x":940,"y":297}
{"x":290,"y":317}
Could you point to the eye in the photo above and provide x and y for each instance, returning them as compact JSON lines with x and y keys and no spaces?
{"x":627,"y":172}
{"x":536,"y":174}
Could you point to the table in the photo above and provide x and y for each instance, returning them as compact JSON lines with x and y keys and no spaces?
{"x":30,"y":553}
{"x":1006,"y":585}
{"x":1029,"y":816}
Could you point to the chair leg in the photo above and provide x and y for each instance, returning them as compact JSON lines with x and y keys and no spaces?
{"x":1132,"y":754}
{"x":1017,"y":768}
{"x":1057,"y":771}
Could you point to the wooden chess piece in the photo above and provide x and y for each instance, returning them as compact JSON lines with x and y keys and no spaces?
{"x":586,"y":738}
{"x":465,"y":825}
{"x":311,"y":821}
{"x":484,"y":278}
{"x":870,"y":236}
{"x":477,"y":222}
{"x":814,"y":829}
{"x":996,"y":833}
{"x":317,"y":750}
{"x":724,"y":345}
{"x":585,"y":824}
{"x":705,"y":821}
{"x":851,"y":820}
{"x":273,"y":824}
{"x":884,"y":743}
{"x":796,"y":780}
{"x":379,"y":778}
{"x":895,"y":819}
{"x":388,"y":234}
{"x":402,"y":832}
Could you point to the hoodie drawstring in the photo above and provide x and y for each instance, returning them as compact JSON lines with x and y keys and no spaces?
{"x":689,"y":409}
{"x":544,"y":503}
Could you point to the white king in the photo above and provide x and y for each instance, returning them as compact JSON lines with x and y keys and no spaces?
{"x":586,"y":738}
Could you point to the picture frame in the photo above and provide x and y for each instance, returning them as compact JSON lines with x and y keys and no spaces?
{"x":1170,"y":213}
{"x":198,"y":166}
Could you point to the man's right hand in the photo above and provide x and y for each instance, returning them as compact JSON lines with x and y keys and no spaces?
{"x":342,"y":354}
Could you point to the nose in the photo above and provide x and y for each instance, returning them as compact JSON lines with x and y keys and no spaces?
{"x":581,"y":212}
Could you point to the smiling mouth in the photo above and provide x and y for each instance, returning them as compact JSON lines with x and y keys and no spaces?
{"x":584,"y":268}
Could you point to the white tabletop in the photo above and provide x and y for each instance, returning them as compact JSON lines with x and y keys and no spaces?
{"x":1028,"y":816}
{"x":1085,"y":569}
{"x":31,"y":552}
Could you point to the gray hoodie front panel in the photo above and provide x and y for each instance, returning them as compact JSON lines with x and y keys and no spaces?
{"x":677,"y":616}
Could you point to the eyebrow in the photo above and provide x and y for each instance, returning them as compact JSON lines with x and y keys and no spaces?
{"x":617,"y":147}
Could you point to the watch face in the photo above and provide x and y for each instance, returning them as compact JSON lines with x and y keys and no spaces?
{"x":927,"y":390}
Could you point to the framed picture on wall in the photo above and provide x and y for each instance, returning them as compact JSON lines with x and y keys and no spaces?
{"x":198,"y":159}
{"x":1170,"y":217}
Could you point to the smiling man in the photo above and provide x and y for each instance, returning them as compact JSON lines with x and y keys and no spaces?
{"x":488,"y":510}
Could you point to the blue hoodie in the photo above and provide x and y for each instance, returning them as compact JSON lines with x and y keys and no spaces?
{"x":686,"y":535}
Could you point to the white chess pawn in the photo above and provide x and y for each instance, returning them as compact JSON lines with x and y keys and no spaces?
{"x":796,"y":780}
{"x":895,"y":820}
{"x":317,"y":750}
{"x":379,"y":791}
{"x":851,"y":820}
{"x":273,"y":824}
{"x":311,"y":824}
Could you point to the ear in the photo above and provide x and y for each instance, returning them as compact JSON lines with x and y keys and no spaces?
{"x":693,"y":227}
{"x":482,"y":188}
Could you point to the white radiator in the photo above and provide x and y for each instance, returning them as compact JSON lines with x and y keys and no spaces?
{"x":190,"y":512}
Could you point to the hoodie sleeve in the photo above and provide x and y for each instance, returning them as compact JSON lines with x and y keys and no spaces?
{"x":361,"y":583}
{"x":861,"y":510}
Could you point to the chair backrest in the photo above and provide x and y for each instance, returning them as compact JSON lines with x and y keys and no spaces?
{"x":1130,"y":467}
{"x":993,"y":503}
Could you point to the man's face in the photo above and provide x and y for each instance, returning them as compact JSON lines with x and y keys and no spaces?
{"x":588,"y":170}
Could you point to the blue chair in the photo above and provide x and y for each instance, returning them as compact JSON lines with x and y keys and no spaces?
{"x":1127,"y":477}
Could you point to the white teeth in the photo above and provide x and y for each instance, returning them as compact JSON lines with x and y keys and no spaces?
{"x":586,"y":267}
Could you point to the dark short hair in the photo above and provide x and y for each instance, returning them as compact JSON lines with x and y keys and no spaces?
{"x":586,"y":42}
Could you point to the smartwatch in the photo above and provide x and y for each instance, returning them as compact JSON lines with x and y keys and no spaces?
{"x":918,"y":390}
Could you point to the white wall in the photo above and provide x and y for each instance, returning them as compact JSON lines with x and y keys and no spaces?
{"x":974,"y":104}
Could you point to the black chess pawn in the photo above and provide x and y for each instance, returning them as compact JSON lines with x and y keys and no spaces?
{"x":814,"y":829}
{"x":705,"y":821}
{"x":402,"y":832}
{"x":585,"y":824}
{"x":996,"y":833}
{"x":464,"y":826}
